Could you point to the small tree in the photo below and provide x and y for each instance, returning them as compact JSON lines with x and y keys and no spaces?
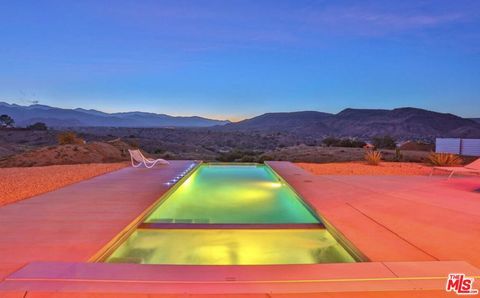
{"x":37,"y":126}
{"x":6,"y":121}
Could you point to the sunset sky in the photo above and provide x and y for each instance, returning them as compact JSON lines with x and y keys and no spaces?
{"x":236,"y":59}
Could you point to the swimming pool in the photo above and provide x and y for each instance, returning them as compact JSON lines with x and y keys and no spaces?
{"x":222,"y":193}
{"x":231,"y":214}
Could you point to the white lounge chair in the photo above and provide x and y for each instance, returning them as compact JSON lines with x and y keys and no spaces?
{"x":138,"y":159}
{"x":473,"y":167}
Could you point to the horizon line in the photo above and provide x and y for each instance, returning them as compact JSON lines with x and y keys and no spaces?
{"x":225,"y":118}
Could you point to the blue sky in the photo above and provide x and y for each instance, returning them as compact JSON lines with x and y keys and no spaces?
{"x":236,"y":59}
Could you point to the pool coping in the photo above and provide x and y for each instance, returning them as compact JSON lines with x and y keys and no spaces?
{"x":386,"y":277}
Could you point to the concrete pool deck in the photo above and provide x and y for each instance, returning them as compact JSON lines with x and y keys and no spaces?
{"x":74,"y":222}
{"x":397,"y":218}
{"x":415,"y":230}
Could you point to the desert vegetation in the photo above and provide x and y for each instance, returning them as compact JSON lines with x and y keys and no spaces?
{"x":68,"y":138}
{"x":343,"y":142}
{"x":384,"y":142}
{"x":373,"y":157}
{"x":444,"y":159}
{"x":24,"y":146}
{"x":6,"y":121}
{"x":91,"y":152}
{"x":37,"y":126}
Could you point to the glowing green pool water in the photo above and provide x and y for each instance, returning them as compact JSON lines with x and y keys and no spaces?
{"x":231,"y":247}
{"x":233,"y":194}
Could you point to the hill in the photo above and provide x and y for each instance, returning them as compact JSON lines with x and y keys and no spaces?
{"x":93,"y":152}
{"x":401,"y":123}
{"x":306,"y":123}
{"x":475,"y":119}
{"x":57,"y":117}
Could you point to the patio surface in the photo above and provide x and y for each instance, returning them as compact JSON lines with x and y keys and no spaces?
{"x":74,"y":222}
{"x":415,"y":230}
{"x":393,"y":218}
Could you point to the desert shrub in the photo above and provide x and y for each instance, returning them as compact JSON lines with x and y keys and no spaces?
{"x":68,"y":137}
{"x":330,"y":141}
{"x":159,"y":151}
{"x":264,"y":157}
{"x":444,"y":159}
{"x":133,"y":144}
{"x":346,"y":142}
{"x":230,"y":156}
{"x":37,"y":126}
{"x":239,"y":155}
{"x":398,"y":155}
{"x":385,"y":142}
{"x":248,"y":158}
{"x":373,"y":157}
{"x":352,"y":143}
{"x":168,"y":155}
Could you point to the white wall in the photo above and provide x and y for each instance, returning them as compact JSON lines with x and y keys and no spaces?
{"x":447,"y":145}
{"x":469,"y":147}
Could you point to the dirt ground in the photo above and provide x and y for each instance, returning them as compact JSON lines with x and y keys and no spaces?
{"x":319,"y":154}
{"x":94,"y":152}
{"x":361,"y":168}
{"x":21,"y":183}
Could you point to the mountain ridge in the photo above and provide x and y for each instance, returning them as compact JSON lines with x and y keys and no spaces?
{"x":403,"y":123}
{"x":406,"y":122}
{"x":78,"y":117}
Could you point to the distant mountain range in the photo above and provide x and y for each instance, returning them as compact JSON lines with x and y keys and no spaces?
{"x":364,"y":123}
{"x":57,"y":117}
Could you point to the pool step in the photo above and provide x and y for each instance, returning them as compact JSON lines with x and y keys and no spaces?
{"x":183,"y":221}
{"x":164,"y":225}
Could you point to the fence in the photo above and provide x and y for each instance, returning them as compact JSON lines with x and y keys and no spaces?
{"x":470,"y":147}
